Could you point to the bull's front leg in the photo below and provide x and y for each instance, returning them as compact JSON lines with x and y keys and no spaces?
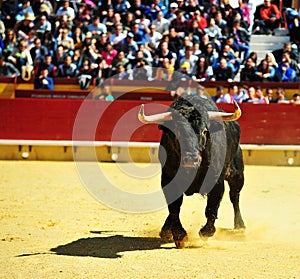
{"x":172,"y":228}
{"x":211,"y":212}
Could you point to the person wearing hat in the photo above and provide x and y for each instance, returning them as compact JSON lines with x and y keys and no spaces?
{"x":23,"y":27}
{"x":129,"y":46}
{"x":171,"y":13}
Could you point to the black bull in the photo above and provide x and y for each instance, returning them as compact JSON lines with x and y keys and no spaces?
{"x":199,"y":149}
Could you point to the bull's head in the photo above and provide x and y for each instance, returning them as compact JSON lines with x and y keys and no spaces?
{"x":190,"y":128}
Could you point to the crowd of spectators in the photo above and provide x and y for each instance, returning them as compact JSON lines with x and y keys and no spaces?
{"x":205,"y":40}
{"x":255,"y":95}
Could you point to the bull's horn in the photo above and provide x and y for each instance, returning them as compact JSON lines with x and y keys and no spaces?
{"x":225,"y":116}
{"x":155,"y":118}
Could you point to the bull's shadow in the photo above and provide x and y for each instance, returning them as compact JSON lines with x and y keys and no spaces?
{"x":107,"y":246}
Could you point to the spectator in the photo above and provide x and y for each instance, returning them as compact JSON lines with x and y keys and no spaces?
{"x":9,"y":43}
{"x":280,"y":93}
{"x":252,"y":96}
{"x":211,"y":54}
{"x":230,"y":96}
{"x":253,"y":56}
{"x":214,"y":32}
{"x":78,"y":38}
{"x":174,"y":42}
{"x":223,"y":72}
{"x":96,"y":27}
{"x":220,"y":21}
{"x":120,"y":59}
{"x":109,"y":20}
{"x":189,"y":58}
{"x":43,"y":81}
{"x":105,"y":94}
{"x":9,"y":10}
{"x":286,"y":56}
{"x":180,"y":24}
{"x":248,"y":72}
{"x":7,"y":69}
{"x":270,"y":19}
{"x":261,"y":99}
{"x":165,"y":72}
{"x":42,"y":6}
{"x":242,"y":94}
{"x":241,"y":39}
{"x":155,"y":8}
{"x":285,"y":73}
{"x":43,"y":25}
{"x":85,"y":74}
{"x":296,"y":99}
{"x":65,"y":9}
{"x":49,"y":42}
{"x":161,"y":24}
{"x":171,"y":13}
{"x":23,"y":27}
{"x":231,"y":58}
{"x":139,"y":36}
{"x":219,"y":94}
{"x":292,"y":18}
{"x":52,"y":69}
{"x":164,"y":52}
{"x":38,"y":52}
{"x":152,"y":39}
{"x":129,"y":46}
{"x":147,"y":54}
{"x":194,"y":31}
{"x":64,"y":40}
{"x":187,"y":43}
{"x":264,"y":72}
{"x":269,"y":95}
{"x":117,"y":37}
{"x":59,"y":56}
{"x":278,"y":53}
{"x":121,"y":73}
{"x":108,"y":54}
{"x":24,"y":8}
{"x":143,"y":23}
{"x":21,"y":56}
{"x":121,"y":7}
{"x":203,"y":71}
{"x":67,"y":69}
{"x":201,"y":21}
{"x":129,"y":22}
{"x":271,"y":60}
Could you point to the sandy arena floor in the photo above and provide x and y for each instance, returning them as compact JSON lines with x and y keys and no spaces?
{"x":51,"y":227}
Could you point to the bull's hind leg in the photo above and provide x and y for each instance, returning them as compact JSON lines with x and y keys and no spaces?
{"x":172,"y":228}
{"x":236,"y":184}
{"x":211,"y":212}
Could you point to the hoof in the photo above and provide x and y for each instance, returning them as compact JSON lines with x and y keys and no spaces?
{"x":204,"y":238}
{"x":239,"y":225}
{"x":206,"y":232}
{"x":166,"y":236}
{"x":180,"y":244}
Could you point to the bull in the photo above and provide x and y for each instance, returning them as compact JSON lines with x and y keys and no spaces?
{"x":199,"y":149}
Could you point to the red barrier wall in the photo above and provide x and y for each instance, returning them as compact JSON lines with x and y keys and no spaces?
{"x":50,"y":119}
